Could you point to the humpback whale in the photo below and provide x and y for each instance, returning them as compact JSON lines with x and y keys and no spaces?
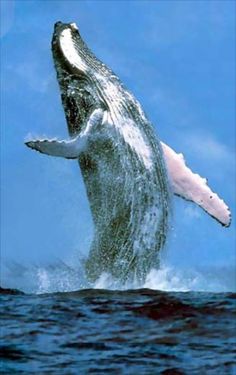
{"x":129,"y":174}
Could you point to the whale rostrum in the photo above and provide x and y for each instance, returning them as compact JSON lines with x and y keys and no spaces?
{"x":129,"y":174}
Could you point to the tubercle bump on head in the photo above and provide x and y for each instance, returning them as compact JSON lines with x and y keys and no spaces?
{"x":74,"y":26}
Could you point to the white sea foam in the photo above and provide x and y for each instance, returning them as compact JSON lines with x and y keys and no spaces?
{"x":170,"y":279}
{"x":62,"y":277}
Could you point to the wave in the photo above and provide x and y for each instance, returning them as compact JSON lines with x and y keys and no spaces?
{"x":8,"y":291}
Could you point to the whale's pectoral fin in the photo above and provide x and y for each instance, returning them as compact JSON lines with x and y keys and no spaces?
{"x":193,"y":187}
{"x":66,"y":149}
{"x":69,"y":149}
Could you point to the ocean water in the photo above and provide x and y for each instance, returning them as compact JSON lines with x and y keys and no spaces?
{"x":101,"y":331}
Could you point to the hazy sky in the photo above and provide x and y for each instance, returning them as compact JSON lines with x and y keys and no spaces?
{"x":178,"y":59}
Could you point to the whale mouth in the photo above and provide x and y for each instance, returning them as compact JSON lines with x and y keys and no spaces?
{"x":69,"y":52}
{"x":68,"y":48}
{"x":59,"y":27}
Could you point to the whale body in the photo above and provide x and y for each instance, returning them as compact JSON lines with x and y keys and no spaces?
{"x":129,"y":174}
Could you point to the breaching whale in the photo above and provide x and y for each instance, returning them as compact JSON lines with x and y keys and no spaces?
{"x":129,"y":174}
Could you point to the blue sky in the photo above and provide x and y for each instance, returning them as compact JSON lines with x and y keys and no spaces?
{"x":178,"y":59}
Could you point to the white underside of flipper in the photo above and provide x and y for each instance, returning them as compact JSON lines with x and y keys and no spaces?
{"x":69,"y":149}
{"x":193,"y":187}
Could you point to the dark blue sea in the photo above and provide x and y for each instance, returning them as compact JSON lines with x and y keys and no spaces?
{"x":98,"y":331}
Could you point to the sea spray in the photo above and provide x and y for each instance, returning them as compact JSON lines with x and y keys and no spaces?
{"x":51,"y":279}
{"x":68,"y":277}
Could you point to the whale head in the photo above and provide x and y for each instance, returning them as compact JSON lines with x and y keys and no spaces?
{"x":76,"y":68}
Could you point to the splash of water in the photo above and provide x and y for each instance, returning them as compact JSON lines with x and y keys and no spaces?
{"x":166,"y":279}
{"x":169,"y":279}
{"x":67,"y":277}
{"x":63,"y":279}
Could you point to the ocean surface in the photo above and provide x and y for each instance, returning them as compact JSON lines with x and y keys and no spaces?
{"x":98,"y":331}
